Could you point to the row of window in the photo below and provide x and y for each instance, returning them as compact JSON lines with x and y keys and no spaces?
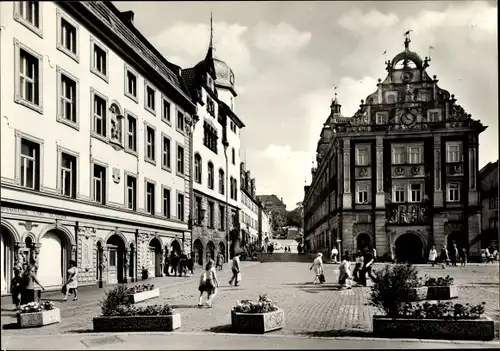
{"x":198,"y":173}
{"x":433,"y":115}
{"x":30,"y":164}
{"x":251,"y":222}
{"x":211,"y":213}
{"x":249,"y":203}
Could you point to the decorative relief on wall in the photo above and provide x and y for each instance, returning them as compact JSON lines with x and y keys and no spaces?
{"x":358,"y":228}
{"x":116,"y":175}
{"x":116,"y":130}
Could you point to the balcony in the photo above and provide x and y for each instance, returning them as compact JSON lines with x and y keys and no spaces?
{"x":454,"y":169}
{"x":409,"y":214}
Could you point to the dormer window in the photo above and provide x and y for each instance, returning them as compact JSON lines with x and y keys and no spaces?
{"x":210,"y":82}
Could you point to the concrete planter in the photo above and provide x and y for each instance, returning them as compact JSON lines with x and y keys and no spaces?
{"x":446,"y":329}
{"x":137,"y":323}
{"x":142,"y":296}
{"x":442,"y":292}
{"x":39,"y":319}
{"x":257,"y":323}
{"x":417,"y":294}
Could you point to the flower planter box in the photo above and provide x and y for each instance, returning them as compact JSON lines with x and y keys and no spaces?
{"x":446,"y":329}
{"x":137,"y":323}
{"x":142,"y":296}
{"x":417,"y":294}
{"x":442,"y":292}
{"x":39,"y":319}
{"x":257,"y":323}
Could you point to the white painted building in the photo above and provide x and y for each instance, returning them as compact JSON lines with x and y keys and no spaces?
{"x":215,"y":137}
{"x":95,"y":153}
{"x":265,"y":224}
{"x":249,"y":214}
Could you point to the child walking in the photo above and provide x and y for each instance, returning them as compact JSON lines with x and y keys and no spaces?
{"x":16,"y":288}
{"x":208,"y":284}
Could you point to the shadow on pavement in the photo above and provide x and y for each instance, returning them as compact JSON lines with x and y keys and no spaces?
{"x":11,"y":326}
{"x":338,"y":332}
{"x":185,"y":306}
{"x":79,"y":331}
{"x":226,"y":328}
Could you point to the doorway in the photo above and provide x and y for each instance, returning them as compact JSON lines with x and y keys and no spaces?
{"x":409,"y":248}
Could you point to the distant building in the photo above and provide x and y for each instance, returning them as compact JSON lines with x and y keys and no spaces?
{"x":488,"y":177}
{"x":249,"y":214}
{"x":275,"y":207}
{"x":265,"y":229}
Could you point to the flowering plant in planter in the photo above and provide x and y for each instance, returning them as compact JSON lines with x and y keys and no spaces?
{"x":440,"y":281}
{"x":151,"y":310}
{"x":264,"y":305}
{"x":139,"y":288}
{"x":441,"y":310}
{"x":36,"y":307}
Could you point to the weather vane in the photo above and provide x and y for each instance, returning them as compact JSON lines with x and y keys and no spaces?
{"x":407,"y":38}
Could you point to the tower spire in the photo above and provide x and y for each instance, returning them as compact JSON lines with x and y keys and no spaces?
{"x":211,"y":49}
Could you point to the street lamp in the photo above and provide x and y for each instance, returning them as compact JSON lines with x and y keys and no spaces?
{"x":340,"y":249}
{"x":190,"y":130}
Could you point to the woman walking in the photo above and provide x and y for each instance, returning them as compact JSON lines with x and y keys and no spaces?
{"x":345,"y":272}
{"x":432,"y":256}
{"x":30,"y":278}
{"x":463,"y":257}
{"x":71,"y":285}
{"x":445,"y":259}
{"x":317,"y":267}
{"x":208,"y":284}
{"x":358,"y":267}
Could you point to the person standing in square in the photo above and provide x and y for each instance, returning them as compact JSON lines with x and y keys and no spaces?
{"x":235,"y":269}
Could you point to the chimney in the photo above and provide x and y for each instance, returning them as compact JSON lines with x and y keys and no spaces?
{"x":282,"y":200}
{"x":129,"y":16}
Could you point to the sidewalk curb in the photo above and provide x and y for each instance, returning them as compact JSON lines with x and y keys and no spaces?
{"x":228,"y":335}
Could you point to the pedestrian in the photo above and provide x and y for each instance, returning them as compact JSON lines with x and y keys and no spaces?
{"x":345,"y":275}
{"x":208,"y":284}
{"x":454,"y":255}
{"x":432,"y":256}
{"x":334,"y":254}
{"x":71,"y":285}
{"x":17,"y":287}
{"x":220,"y":261}
{"x":174,"y":262}
{"x":463,"y":257}
{"x":367,"y":268}
{"x":317,"y":268}
{"x":190,"y":263}
{"x":30,"y":278}
{"x":236,"y":270}
{"x":444,"y":257}
{"x":358,"y":267}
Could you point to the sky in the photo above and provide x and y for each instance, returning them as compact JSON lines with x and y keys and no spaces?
{"x":288,"y":56}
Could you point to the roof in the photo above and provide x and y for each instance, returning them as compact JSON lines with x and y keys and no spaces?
{"x":231,"y":114}
{"x":114,"y":20}
{"x":488,"y":168}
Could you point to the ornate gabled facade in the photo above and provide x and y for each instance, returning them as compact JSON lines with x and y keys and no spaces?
{"x":401,"y":175}
{"x":215,"y":158}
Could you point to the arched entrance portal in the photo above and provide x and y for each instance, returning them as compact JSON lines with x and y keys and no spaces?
{"x":154,"y":258}
{"x":176,"y":247}
{"x":115,"y":252}
{"x":7,"y":252}
{"x":210,"y":251}
{"x":409,"y":248}
{"x":363,"y":242}
{"x":222,"y":250}
{"x":53,"y":260}
{"x":198,"y":252}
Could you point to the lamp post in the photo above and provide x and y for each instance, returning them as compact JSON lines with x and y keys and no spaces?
{"x":340,"y":249}
{"x":226,"y":144}
{"x":194,"y":120}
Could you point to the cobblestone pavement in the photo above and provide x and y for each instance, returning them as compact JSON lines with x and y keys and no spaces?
{"x":311,"y":310}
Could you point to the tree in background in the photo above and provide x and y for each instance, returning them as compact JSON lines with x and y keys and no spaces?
{"x":295,"y":218}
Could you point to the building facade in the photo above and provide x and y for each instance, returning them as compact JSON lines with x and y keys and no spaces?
{"x":265,"y":229}
{"x":249,"y":214}
{"x":277,"y":211}
{"x":401,"y":175}
{"x":488,"y":177}
{"x":95,"y":149}
{"x":216,"y":143}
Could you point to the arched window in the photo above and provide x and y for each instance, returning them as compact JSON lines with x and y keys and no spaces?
{"x":210,"y":175}
{"x":231,"y":188}
{"x":221,"y":182}
{"x":197,"y":168}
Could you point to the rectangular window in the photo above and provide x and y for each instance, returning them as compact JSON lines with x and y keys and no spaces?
{"x":131,"y":84}
{"x":165,"y":153}
{"x":99,"y":115}
{"x":493,"y":202}
{"x":199,"y":217}
{"x":210,"y":137}
{"x":131,"y":192}
{"x":150,"y":99}
{"x":362,"y":193}
{"x":493,"y":223}
{"x":166,"y":202}
{"x":68,"y":175}
{"x":180,"y":159}
{"x":233,"y":156}
{"x":99,"y":184}
{"x":399,"y":193}
{"x":454,"y":152}
{"x":150,"y":198}
{"x":210,"y":176}
{"x":391,"y":98}
{"x":423,"y":95}
{"x":453,"y":192}
{"x":99,"y":62}
{"x":416,"y":191}
{"x":68,"y":36}
{"x":398,"y":155}
{"x":222,"y":217}
{"x":29,"y":11}
{"x":380,"y":118}
{"x":68,"y":98}
{"x":415,"y":154}
{"x":180,"y":207}
{"x":362,"y":156}
{"x":131,"y":133}
{"x":210,"y":214}
{"x":150,"y":143}
{"x":433,"y":116}
{"x":29,"y":84}
{"x":180,"y":121}
{"x":165,"y":114}
{"x":30,"y":164}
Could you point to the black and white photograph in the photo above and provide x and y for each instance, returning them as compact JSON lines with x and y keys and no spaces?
{"x":237,"y":175}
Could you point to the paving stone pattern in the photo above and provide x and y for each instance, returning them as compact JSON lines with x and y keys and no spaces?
{"x":314,"y":310}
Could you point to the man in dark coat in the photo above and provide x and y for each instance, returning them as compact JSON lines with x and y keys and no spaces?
{"x":367,"y":268}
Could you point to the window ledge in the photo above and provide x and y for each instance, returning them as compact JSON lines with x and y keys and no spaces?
{"x":67,"y":52}
{"x":69,"y":123}
{"x":132,"y":97}
{"x":100,"y":137}
{"x":150,"y":110}
{"x":166,"y":121}
{"x":100,"y":75}
{"x":149,"y":160}
{"x":37,"y":108}
{"x":181,"y":175}
{"x":165,"y":168}
{"x":131,"y":152}
{"x":29,"y":25}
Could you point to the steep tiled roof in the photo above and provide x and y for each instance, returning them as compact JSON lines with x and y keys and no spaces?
{"x":111,"y":17}
{"x":189,"y":76}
